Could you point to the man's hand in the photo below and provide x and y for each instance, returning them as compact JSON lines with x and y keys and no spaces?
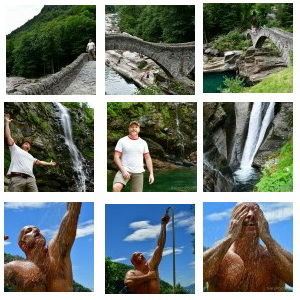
{"x":165,"y":219}
{"x":6,"y":237}
{"x":125,"y":174}
{"x":151,"y":178}
{"x":263,"y":225}
{"x":7,"y":118}
{"x":236,"y":221}
{"x":52,"y":163}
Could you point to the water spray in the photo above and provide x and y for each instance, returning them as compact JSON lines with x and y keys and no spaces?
{"x":173,"y":240}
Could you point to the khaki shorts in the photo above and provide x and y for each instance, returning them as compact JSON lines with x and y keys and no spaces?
{"x":136,"y":181}
{"x":20,"y":184}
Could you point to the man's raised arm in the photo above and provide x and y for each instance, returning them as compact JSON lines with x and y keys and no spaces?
{"x":157,"y":255}
{"x":283,"y":260}
{"x":213,"y":257}
{"x":63,"y":241}
{"x":10,"y":140}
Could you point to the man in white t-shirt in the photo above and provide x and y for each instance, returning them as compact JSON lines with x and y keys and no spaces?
{"x":129,"y":158}
{"x":90,"y":49}
{"x":21,"y":166}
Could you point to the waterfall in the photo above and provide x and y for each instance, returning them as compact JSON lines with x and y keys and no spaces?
{"x":179,"y":133}
{"x":74,"y":152}
{"x":261,"y":116}
{"x":257,"y":128}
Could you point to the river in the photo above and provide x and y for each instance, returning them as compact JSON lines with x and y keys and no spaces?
{"x":115,"y":84}
{"x":213,"y":81}
{"x":181,"y":180}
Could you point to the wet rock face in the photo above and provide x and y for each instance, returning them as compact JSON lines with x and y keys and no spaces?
{"x":225,"y":132}
{"x":168,"y":140}
{"x":39,"y":123}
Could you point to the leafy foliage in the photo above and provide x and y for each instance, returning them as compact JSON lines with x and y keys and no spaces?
{"x":233,"y":85}
{"x":279,"y":177}
{"x":50,"y":40}
{"x":159,"y":23}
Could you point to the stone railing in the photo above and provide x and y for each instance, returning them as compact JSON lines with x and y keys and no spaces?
{"x":55,"y":84}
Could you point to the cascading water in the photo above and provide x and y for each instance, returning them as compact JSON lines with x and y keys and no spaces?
{"x":179,"y":133}
{"x":74,"y":152}
{"x":261,"y":116}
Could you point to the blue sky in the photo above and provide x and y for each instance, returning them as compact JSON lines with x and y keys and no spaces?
{"x":47,"y":217}
{"x":130,"y":228}
{"x":278,"y":214}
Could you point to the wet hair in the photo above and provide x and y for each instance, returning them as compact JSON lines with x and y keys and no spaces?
{"x":133,"y":256}
{"x":242,"y":203}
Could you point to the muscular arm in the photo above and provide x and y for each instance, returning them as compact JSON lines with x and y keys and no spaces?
{"x":117,"y":160}
{"x":132,"y":280}
{"x":213,"y":257}
{"x":157,"y":255}
{"x":149,"y":165}
{"x":283,"y":260}
{"x":62,"y":243}
{"x":10,"y":140}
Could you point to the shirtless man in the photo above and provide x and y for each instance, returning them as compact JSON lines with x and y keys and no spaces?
{"x":238,"y":263}
{"x":144,"y":278}
{"x":46,"y":269}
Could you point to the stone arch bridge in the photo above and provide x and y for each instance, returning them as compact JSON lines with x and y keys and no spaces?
{"x":282,"y":39}
{"x":177,"y":60}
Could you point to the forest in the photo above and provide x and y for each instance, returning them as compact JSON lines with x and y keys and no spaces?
{"x":50,"y":40}
{"x":221,"y":18}
{"x":157,"y":23}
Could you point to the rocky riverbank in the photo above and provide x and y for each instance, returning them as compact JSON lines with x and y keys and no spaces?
{"x":254,"y":64}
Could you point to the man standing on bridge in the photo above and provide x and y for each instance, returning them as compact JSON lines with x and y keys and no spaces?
{"x":128,"y":157}
{"x":90,"y":49}
{"x":21,"y":166}
{"x":144,"y":278}
{"x":46,"y":269}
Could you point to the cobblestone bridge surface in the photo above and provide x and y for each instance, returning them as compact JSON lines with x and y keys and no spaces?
{"x":85,"y":81}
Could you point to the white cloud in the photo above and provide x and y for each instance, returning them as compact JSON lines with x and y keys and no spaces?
{"x":6,"y":243}
{"x":83,"y":229}
{"x":167,"y":251}
{"x":20,"y":205}
{"x":219,"y":216}
{"x":192,"y":264}
{"x":189,"y":222}
{"x":119,"y":259}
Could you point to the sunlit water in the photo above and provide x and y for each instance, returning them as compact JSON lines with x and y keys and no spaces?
{"x":115,"y":84}
{"x":181,"y":180}
{"x":245,"y":179}
{"x":213,"y":81}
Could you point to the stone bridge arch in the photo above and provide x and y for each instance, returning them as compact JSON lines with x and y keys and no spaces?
{"x":177,"y":60}
{"x":283,"y":40}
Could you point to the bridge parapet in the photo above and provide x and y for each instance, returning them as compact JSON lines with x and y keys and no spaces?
{"x":177,"y":60}
{"x":55,"y":84}
{"x":282,"y":39}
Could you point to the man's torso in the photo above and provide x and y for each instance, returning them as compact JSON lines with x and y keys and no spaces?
{"x":148,"y":287}
{"x":236,"y":275}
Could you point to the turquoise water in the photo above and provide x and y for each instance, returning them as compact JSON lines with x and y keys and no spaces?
{"x":213,"y":81}
{"x":181,"y":180}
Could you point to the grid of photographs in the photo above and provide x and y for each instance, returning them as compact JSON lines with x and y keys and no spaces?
{"x":160,"y":114}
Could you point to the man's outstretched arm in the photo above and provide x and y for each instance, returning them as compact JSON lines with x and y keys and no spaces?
{"x":213,"y":257}
{"x":63,"y":241}
{"x":283,"y":260}
{"x":45,"y":163}
{"x":8,"y":136}
{"x":157,"y":255}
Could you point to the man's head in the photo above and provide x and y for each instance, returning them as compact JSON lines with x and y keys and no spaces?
{"x":90,"y":40}
{"x":138,"y":259}
{"x":30,"y":238}
{"x":134,"y":129}
{"x":26,"y":146}
{"x":250,"y":223}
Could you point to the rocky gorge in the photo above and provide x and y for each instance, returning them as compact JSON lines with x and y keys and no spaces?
{"x":229,"y":129}
{"x":43,"y":125}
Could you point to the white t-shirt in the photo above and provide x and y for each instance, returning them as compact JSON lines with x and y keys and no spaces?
{"x":90,"y":46}
{"x":133,"y":151}
{"x":21,"y":161}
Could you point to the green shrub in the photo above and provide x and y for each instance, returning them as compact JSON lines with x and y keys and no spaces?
{"x":233,"y":85}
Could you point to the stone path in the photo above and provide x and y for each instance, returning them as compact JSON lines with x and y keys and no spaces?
{"x":85,"y":81}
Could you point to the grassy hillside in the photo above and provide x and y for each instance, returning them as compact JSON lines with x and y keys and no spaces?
{"x":279,"y":82}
